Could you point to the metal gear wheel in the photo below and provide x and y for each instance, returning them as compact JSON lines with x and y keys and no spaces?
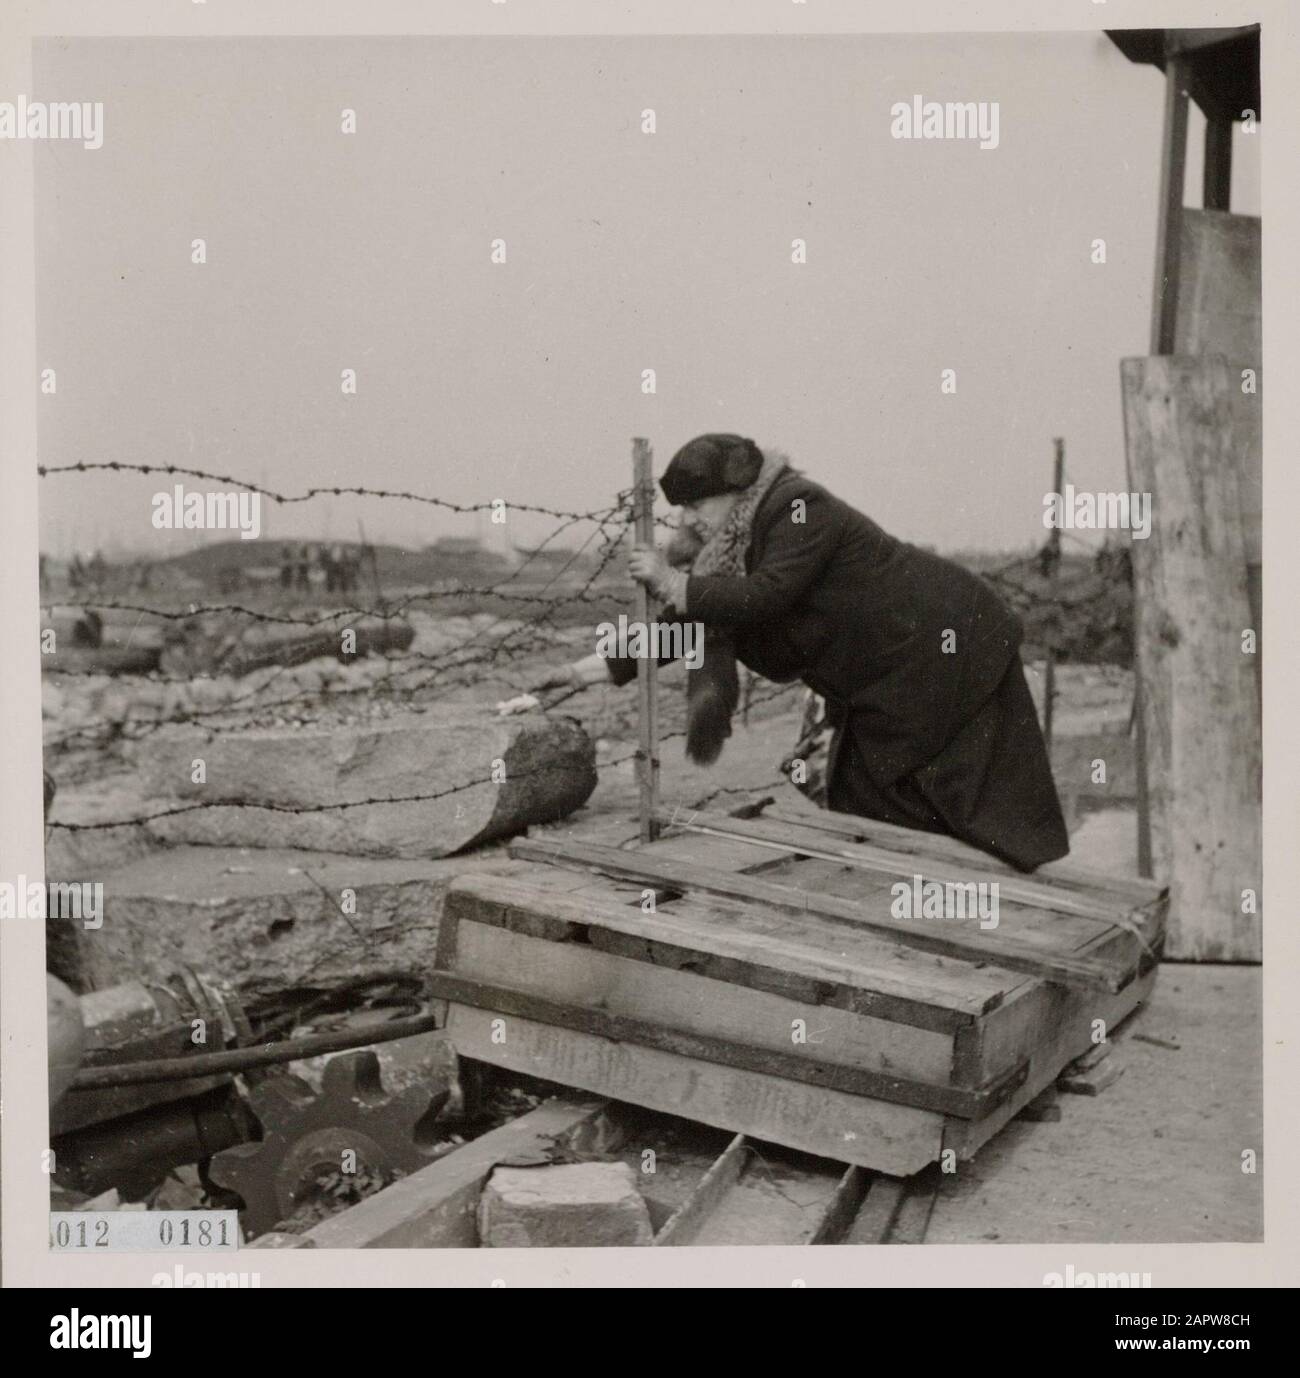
{"x":307,"y":1133}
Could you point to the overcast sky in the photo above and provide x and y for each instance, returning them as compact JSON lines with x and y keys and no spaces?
{"x":625,"y":251}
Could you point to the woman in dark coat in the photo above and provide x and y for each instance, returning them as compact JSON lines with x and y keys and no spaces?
{"x":917,"y":659}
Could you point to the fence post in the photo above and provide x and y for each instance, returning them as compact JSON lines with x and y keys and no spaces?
{"x":1053,"y":574}
{"x":647,"y":756}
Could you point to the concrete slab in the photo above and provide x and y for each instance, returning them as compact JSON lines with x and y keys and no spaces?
{"x":268,"y":919}
{"x":458,"y":778}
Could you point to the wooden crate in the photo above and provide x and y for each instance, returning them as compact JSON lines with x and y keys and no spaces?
{"x":770,"y":990}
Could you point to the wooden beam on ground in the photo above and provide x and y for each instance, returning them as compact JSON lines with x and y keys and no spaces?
{"x":1198,"y":683}
{"x":684,"y":1224}
{"x":681,"y":876}
{"x":844,"y":1207}
{"x":913,"y":1218}
{"x":875,"y":1220}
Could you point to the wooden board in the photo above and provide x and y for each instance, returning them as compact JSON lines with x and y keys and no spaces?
{"x":967,"y":944}
{"x":1199,"y":689}
{"x":594,"y":979}
{"x":831,"y":1124}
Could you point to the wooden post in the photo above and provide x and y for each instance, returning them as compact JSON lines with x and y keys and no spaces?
{"x":1199,"y":701}
{"x":1054,"y":547}
{"x":647,"y":756}
{"x":1164,"y":307}
{"x":1169,"y":225}
{"x":1216,"y":178}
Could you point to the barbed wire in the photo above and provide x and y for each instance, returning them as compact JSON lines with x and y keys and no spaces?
{"x":417,"y":677}
{"x":553,"y":766}
{"x":307,"y":495}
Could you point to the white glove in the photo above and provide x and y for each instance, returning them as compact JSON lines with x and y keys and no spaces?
{"x":582,"y":673}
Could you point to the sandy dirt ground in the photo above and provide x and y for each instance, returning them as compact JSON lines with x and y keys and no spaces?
{"x":1157,"y":1157}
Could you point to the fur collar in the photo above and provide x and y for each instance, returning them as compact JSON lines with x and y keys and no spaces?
{"x":713,"y":690}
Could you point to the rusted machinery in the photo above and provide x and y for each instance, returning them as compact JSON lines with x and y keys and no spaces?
{"x":146,"y":1079}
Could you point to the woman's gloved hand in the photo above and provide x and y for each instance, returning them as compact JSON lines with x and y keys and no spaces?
{"x":649,"y":567}
{"x":581,"y":674}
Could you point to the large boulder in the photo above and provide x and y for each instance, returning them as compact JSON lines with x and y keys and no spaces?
{"x":457,"y":777}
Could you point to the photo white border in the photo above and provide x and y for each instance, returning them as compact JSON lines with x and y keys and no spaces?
{"x":26,"y":1259}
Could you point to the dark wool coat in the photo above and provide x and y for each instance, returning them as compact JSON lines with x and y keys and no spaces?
{"x":918,"y":661}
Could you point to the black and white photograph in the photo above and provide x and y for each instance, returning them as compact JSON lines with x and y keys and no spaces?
{"x":646,"y":640}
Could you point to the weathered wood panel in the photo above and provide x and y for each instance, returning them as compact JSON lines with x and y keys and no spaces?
{"x":1219,"y":286}
{"x":898,"y":1139}
{"x":977,"y":946}
{"x":1219,"y":304}
{"x":771,"y":950}
{"x":582,"y":975}
{"x":1199,"y":693}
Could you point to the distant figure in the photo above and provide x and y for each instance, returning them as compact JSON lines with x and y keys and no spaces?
{"x":304,"y":567}
{"x":286,"y":567}
{"x":351,"y":569}
{"x":333,"y":560}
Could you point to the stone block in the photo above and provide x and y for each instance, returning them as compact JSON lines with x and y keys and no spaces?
{"x":489,"y":777}
{"x":569,"y":1205}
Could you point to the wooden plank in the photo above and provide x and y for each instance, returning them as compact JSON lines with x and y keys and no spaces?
{"x":686,"y":1221}
{"x":875,"y":1220}
{"x":843,"y":1208}
{"x":1219,"y":288}
{"x":989,"y":947}
{"x":831,"y":1124}
{"x":1219,"y":312}
{"x":765,"y":949}
{"x":733,"y":854}
{"x":931,"y":987}
{"x":647,"y":667}
{"x":911,"y":842}
{"x":436,"y":1206}
{"x":960,"y":1102}
{"x":582,"y":975}
{"x":1039,"y":928}
{"x":1092,"y":1082}
{"x":1199,"y":691}
{"x":1216,"y":175}
{"x":1169,"y":206}
{"x":914,"y":1211}
{"x":788,"y":836}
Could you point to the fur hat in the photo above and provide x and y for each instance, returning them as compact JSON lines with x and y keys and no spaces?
{"x":709,"y":465}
